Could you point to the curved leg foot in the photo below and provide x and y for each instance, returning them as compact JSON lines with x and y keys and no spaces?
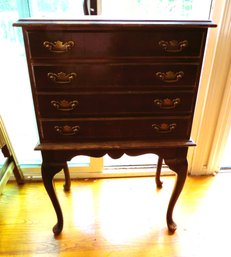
{"x":180,"y":166}
{"x":67,"y":184}
{"x":158,"y":171}
{"x":57,"y":229}
{"x":171,"y":226}
{"x":48,"y":172}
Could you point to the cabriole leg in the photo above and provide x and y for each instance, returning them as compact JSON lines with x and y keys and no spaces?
{"x":67,"y":184}
{"x":180,"y":166}
{"x":158,"y":171}
{"x":48,"y":173}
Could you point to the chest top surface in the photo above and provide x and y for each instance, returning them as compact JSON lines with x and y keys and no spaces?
{"x":97,"y":23}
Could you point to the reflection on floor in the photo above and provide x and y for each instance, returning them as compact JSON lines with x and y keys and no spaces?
{"x":118,"y":217}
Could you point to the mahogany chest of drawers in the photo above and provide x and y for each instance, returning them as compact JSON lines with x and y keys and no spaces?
{"x":114,"y":87}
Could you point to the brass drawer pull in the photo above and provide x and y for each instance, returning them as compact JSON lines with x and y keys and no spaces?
{"x":170,"y":76}
{"x":65,"y":105}
{"x":58,"y":46}
{"x":167,"y":103}
{"x":164,"y":127}
{"x":67,"y":130}
{"x":61,"y":77}
{"x":173,"y":46}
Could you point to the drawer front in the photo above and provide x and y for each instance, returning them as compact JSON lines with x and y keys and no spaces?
{"x":116,"y":128}
{"x":175,"y":43}
{"x":129,"y":43}
{"x":164,"y":75}
{"x":111,"y":76}
{"x":56,"y":78}
{"x":115,"y":103}
{"x":59,"y":44}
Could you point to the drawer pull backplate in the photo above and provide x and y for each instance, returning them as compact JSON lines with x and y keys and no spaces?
{"x":173,"y":46}
{"x":164,"y":127}
{"x":61,"y":77}
{"x":170,"y":76}
{"x":65,"y":105}
{"x":58,"y":46}
{"x":167,"y":103}
{"x":67,"y":130}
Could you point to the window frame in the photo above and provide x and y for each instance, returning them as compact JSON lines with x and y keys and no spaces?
{"x":212,"y":117}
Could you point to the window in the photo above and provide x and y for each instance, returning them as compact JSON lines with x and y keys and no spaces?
{"x":55,"y":8}
{"x":17,"y":112}
{"x":16,"y":105}
{"x":149,"y":9}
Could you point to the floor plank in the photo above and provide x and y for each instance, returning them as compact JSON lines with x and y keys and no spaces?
{"x":118,"y":217}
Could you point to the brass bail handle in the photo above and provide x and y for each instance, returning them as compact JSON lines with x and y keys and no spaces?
{"x":58,"y":46}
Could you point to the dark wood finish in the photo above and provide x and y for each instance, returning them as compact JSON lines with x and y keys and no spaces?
{"x":118,"y":103}
{"x":126,"y":43}
{"x":159,"y":183}
{"x":114,"y":76}
{"x":114,"y":87}
{"x":67,"y":184}
{"x":60,"y":130}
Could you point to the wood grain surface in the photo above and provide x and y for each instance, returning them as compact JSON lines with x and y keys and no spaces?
{"x":118,"y":217}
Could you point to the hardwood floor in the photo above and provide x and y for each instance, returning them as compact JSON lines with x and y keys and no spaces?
{"x":118,"y":217}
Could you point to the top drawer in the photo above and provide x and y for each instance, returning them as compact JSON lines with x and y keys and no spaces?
{"x":95,"y":44}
